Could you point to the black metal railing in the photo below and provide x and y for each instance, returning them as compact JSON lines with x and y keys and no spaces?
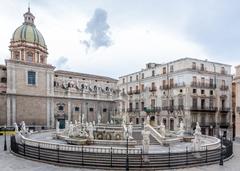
{"x":203,"y":108}
{"x":152,"y":109}
{"x":203,"y":85}
{"x":115,"y":160}
{"x":224,"y":109}
{"x":133,"y":110}
{"x":224,"y":88}
{"x":153,"y":89}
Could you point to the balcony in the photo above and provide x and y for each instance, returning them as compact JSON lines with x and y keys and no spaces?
{"x":136,"y":91}
{"x":224,"y":109}
{"x":152,"y":89}
{"x":164,"y":87}
{"x":204,"y":109}
{"x":203,"y":85}
{"x":130,"y":92}
{"x":133,"y":110}
{"x":224,"y":124}
{"x":224,"y":88}
{"x":204,"y":124}
{"x":152,"y":109}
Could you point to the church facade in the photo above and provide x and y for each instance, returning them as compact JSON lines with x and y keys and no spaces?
{"x":33,"y":91}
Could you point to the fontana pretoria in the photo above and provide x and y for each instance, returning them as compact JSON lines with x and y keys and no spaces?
{"x":77,"y":120}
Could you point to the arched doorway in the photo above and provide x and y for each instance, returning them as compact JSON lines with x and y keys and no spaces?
{"x":152,"y":120}
{"x":171,"y":124}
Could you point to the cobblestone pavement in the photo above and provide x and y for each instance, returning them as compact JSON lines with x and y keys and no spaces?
{"x":9,"y":162}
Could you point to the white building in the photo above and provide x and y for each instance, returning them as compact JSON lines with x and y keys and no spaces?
{"x":187,"y":89}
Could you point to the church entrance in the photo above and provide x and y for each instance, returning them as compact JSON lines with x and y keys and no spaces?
{"x":61,"y":123}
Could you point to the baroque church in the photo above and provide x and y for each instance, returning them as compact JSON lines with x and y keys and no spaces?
{"x":31,"y":90}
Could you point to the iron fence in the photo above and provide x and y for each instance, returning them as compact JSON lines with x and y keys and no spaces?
{"x":115,"y":160}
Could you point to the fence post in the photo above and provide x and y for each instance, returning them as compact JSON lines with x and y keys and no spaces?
{"x":206,"y":154}
{"x":141,"y":157}
{"x":58,"y":153}
{"x":186,"y":155}
{"x":38,"y":151}
{"x":169,"y":156}
{"x":82,"y":155}
{"x":111,"y":156}
{"x":24,"y":149}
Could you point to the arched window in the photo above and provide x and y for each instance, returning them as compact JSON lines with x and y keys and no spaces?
{"x":17,"y":55}
{"x":30,"y":57}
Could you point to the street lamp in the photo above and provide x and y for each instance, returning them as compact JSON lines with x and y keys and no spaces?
{"x":127,"y":160}
{"x":5,"y":139}
{"x":221,"y":155}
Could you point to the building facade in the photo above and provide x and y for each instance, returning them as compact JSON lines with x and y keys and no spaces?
{"x":187,"y":89}
{"x":33,"y":91}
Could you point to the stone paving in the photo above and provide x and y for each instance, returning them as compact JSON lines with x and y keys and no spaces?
{"x":9,"y":162}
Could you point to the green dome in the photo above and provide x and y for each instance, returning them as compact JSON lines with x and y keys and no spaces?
{"x":29,"y":33}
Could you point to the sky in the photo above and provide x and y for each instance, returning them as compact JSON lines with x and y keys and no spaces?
{"x":115,"y":38}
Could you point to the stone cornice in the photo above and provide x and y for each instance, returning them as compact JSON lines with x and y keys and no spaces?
{"x":30,"y":64}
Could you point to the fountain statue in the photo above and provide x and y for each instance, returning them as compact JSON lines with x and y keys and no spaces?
{"x":99,"y":118}
{"x":162,"y":129}
{"x":181,"y":129}
{"x":90,"y":130}
{"x":16,"y":127}
{"x":148,"y":120}
{"x":145,"y":141}
{"x":70,"y":132}
{"x":130,"y":130}
{"x":197,"y":138}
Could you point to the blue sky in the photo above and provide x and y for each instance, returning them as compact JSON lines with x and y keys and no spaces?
{"x":114,"y":38}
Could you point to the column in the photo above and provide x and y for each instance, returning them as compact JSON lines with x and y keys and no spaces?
{"x":69,"y":111}
{"x":13,"y":109}
{"x":52,"y":121}
{"x":8,"y":110}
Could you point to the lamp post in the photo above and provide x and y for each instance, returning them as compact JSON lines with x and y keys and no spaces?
{"x":127,"y":160}
{"x":221,"y":156}
{"x":5,"y":139}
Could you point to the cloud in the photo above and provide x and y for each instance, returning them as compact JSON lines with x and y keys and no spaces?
{"x":98,"y":29}
{"x":61,"y":62}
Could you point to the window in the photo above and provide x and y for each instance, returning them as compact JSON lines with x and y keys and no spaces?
{"x":211,"y":103}
{"x":137,"y":88}
{"x":202,"y":81}
{"x":142,"y":106}
{"x":137,"y":106}
{"x":30,"y":57}
{"x":180,"y":90}
{"x":194,"y":66}
{"x":31,"y":77}
{"x":153,"y":85}
{"x":194,"y":102}
{"x":194,"y":90}
{"x":194,"y":80}
{"x":142,"y":87}
{"x":171,"y":83}
{"x":142,"y":75}
{"x":211,"y":92}
{"x":76,"y":109}
{"x":104,"y":110}
{"x":137,"y":77}
{"x":152,"y":103}
{"x":3,"y":79}
{"x":123,"y":90}
{"x":223,"y":82}
{"x":211,"y":83}
{"x":91,"y":109}
{"x":153,"y":73}
{"x":123,"y":80}
{"x":222,"y":70}
{"x":202,"y":67}
{"x":171,"y":68}
{"x":202,"y":92}
{"x":130,"y":78}
{"x":60,"y":108}
{"x":164,"y":70}
{"x":202,"y":103}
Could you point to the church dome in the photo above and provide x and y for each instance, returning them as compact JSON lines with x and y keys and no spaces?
{"x":28,"y":32}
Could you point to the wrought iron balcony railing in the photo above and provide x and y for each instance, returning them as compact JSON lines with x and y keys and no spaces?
{"x":203,"y":85}
{"x":224,"y":88}
{"x":152,"y":89}
{"x":224,"y":109}
{"x":201,"y":108}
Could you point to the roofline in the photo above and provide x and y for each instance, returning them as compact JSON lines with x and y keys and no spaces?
{"x":98,"y":77}
{"x":181,"y":59}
